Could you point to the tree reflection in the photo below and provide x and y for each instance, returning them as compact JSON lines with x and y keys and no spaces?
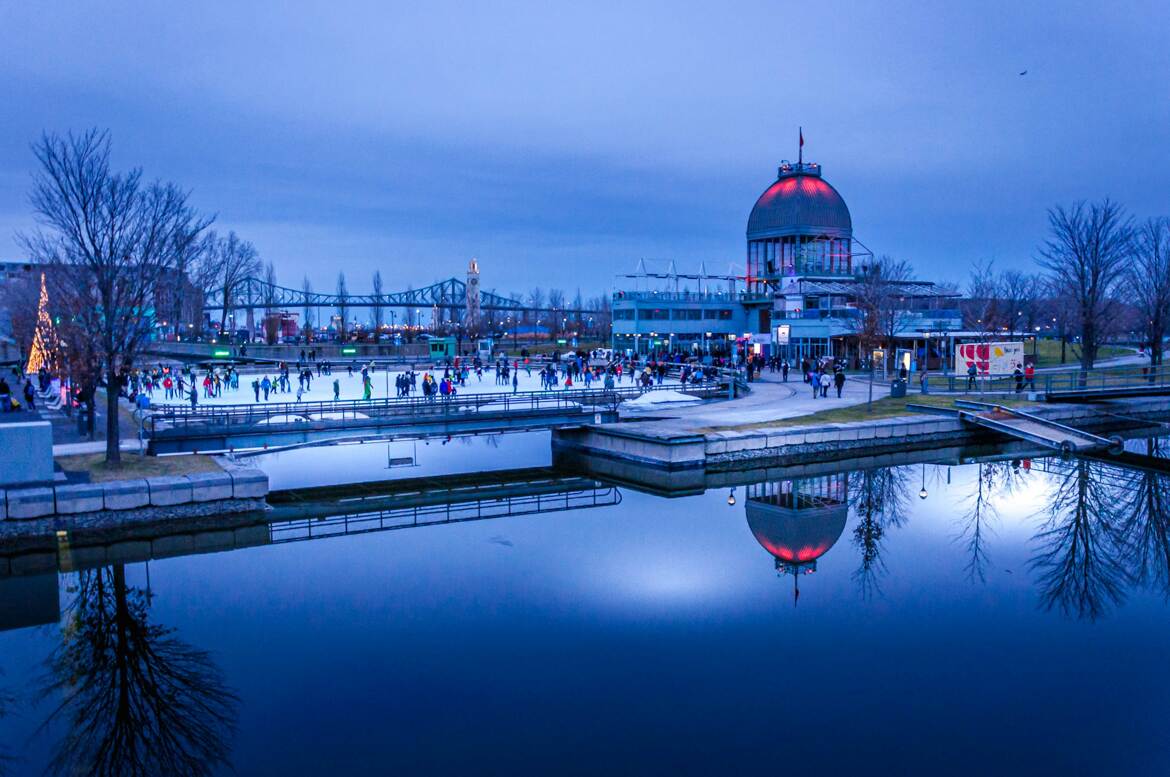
{"x":1081,"y":558}
{"x":879,"y":498}
{"x":6,"y":702}
{"x":1145,"y":509}
{"x":993,"y":481}
{"x":136,"y":700}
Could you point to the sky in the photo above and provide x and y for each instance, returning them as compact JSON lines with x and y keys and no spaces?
{"x":561,"y":143}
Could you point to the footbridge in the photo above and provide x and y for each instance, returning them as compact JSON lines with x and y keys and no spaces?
{"x":1021,"y":425}
{"x":209,"y":428}
{"x":1107,"y":383}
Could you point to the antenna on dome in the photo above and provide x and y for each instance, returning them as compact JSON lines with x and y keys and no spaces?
{"x":800,"y":147}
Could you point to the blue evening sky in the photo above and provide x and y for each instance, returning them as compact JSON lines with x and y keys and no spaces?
{"x":559,"y":143}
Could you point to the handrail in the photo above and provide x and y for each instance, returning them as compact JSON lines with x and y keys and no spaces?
{"x":219,"y":416}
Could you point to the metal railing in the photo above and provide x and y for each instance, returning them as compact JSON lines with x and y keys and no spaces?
{"x":221,"y":417}
{"x":1100,"y":380}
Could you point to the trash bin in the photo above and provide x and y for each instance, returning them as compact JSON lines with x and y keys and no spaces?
{"x":898,"y":389}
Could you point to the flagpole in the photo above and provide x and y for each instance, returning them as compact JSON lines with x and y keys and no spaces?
{"x":800,"y":147}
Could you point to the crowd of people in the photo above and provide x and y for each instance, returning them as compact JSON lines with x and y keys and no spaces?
{"x":11,"y":402}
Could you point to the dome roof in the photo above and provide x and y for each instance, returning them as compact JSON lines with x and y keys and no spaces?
{"x":800,"y":203}
{"x":795,"y":536}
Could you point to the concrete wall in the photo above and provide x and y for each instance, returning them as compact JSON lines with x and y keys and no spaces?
{"x":26,"y":452}
{"x":723,"y":450}
{"x":236,"y":482}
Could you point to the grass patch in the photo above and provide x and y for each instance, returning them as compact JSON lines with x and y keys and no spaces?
{"x":134,"y":466}
{"x":886,"y":407}
{"x":1048,"y":353}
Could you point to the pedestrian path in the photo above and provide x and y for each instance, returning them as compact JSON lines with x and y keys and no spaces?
{"x":771,"y":399}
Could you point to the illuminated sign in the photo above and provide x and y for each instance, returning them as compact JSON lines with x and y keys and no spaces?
{"x":348,"y":351}
{"x":782,"y":334}
{"x":221,"y":354}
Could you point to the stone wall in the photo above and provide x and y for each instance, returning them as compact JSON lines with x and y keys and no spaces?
{"x":236,"y":487}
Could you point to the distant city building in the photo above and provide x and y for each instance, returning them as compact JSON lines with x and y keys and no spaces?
{"x":799,"y":288}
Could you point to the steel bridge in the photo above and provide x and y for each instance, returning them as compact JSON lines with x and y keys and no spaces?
{"x":449,"y":295}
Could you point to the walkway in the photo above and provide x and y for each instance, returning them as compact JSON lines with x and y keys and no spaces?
{"x":771,"y":400}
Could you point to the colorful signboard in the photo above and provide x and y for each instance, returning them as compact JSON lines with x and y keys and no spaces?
{"x":989,"y":358}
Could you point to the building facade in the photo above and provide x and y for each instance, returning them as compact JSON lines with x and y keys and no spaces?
{"x":798,"y":295}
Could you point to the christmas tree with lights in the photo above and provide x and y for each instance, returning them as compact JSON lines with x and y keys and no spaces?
{"x":44,"y":344}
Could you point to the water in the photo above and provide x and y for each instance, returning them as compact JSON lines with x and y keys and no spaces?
{"x":1013,"y":621}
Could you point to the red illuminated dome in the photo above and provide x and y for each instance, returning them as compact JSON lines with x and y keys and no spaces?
{"x":800,"y":202}
{"x":795,"y":536}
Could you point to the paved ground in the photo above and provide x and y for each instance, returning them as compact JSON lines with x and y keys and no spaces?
{"x":770,"y":400}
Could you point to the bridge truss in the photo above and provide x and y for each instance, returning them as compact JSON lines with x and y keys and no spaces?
{"x":448,"y":295}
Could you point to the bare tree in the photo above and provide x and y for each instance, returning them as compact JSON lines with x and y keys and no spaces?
{"x":113,"y":236}
{"x":1086,"y":254}
{"x":982,"y":305}
{"x":307,"y":288}
{"x":1147,"y":282}
{"x":410,"y":319}
{"x":1018,"y":292}
{"x":536,"y":301}
{"x":378,"y":308}
{"x":342,"y":305}
{"x":556,"y":301}
{"x":881,"y":303}
{"x":232,"y":262}
{"x":271,"y":314}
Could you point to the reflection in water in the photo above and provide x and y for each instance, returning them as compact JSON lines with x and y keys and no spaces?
{"x":879,"y":498}
{"x":994,"y":480}
{"x":1080,"y":561}
{"x":1145,"y":512}
{"x":6,"y":701}
{"x":135,"y":699}
{"x":797,"y":521}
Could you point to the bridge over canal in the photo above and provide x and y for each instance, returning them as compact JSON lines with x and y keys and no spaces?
{"x":209,"y":428}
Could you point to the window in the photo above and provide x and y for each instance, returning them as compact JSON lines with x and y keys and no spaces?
{"x":623,"y":314}
{"x":657,"y":314}
{"x":688,"y":314}
{"x":725,"y":314}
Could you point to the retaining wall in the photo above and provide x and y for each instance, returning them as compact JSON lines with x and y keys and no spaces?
{"x":722,"y":450}
{"x":235,"y":488}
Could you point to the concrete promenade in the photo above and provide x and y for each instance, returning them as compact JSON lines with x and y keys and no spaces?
{"x":770,"y":400}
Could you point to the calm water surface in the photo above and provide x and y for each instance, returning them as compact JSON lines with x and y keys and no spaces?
{"x":1012,"y":622}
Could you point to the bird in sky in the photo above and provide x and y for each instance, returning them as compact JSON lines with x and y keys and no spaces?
{"x":1023,"y":72}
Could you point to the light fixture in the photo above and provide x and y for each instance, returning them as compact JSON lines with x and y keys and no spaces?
{"x":922,"y":494}
{"x":731,"y":498}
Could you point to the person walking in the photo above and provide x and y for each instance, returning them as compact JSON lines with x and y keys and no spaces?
{"x":972,"y":373}
{"x":515,"y":382}
{"x":1018,"y":374}
{"x":923,"y":381}
{"x":815,"y":382}
{"x":839,"y":381}
{"x":826,"y":381}
{"x":256,"y":388}
{"x":266,"y":386}
{"x":1030,"y":376}
{"x":784,"y":367}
